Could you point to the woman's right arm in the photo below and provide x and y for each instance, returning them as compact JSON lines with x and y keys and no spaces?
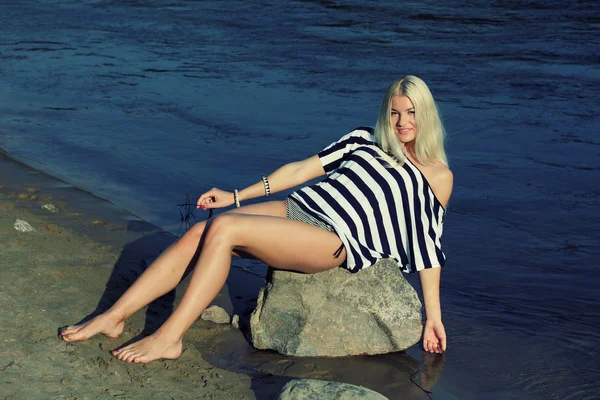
{"x":286,"y":177}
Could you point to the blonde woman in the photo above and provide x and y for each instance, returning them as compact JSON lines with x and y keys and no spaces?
{"x":383,"y":196}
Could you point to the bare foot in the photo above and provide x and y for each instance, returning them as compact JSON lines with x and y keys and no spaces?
{"x":149,"y":349}
{"x":106,"y":324}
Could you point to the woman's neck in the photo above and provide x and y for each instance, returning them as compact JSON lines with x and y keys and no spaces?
{"x":409,"y":151}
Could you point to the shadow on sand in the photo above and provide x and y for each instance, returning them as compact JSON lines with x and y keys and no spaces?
{"x":133,"y":260}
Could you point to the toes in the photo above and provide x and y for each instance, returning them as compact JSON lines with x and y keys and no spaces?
{"x":123,"y":354}
{"x":118,"y":353}
{"x":141,"y":359}
{"x":68,"y":330}
{"x":131,"y":356}
{"x":73,"y":337}
{"x":67,"y":337}
{"x":126,"y":355}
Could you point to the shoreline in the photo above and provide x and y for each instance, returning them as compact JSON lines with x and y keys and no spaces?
{"x":81,"y":258}
{"x":78,"y":260}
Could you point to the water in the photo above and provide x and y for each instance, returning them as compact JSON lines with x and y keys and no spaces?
{"x":139,"y":102}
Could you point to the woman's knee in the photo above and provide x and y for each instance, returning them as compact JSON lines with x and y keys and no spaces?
{"x":193,"y":236}
{"x":197,"y":230}
{"x":221,"y":228}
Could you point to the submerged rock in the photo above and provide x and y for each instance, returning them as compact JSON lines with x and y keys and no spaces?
{"x":337,"y":313}
{"x":50,"y":207}
{"x":312,"y":389}
{"x":23,"y":226}
{"x":216,"y":314}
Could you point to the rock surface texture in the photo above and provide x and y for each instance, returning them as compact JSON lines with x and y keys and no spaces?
{"x":51,"y":208}
{"x":23,"y":226}
{"x":216,"y":314}
{"x":312,"y":389}
{"x":337,"y":313}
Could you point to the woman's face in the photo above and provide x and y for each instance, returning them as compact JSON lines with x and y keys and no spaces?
{"x":403,"y":118}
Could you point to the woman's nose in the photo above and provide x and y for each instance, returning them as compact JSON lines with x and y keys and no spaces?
{"x":400,"y":120}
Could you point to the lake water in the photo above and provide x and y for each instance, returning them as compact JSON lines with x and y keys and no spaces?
{"x":140,"y":102}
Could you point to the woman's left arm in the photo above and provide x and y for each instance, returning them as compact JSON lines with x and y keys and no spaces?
{"x":434,"y":334}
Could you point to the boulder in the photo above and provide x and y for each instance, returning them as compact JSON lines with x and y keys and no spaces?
{"x":312,"y":389}
{"x":337,"y":313}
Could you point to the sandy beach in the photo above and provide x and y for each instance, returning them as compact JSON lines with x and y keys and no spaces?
{"x":87,"y":252}
{"x":80,"y":259}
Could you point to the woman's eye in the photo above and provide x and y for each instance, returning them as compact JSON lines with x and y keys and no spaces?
{"x":394,"y":113}
{"x":412,"y":112}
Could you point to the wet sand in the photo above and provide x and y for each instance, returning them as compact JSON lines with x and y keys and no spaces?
{"x":81,"y":259}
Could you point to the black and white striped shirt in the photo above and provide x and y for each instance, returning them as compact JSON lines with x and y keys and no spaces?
{"x":378,"y":211}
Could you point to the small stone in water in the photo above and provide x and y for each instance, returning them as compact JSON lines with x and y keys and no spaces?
{"x":23,"y":226}
{"x":50,"y":207}
{"x":235,"y":321}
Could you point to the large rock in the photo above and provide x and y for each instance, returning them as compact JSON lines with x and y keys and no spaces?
{"x":337,"y":313}
{"x":312,"y":389}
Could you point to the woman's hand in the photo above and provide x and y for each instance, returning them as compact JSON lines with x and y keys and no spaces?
{"x":215,"y":198}
{"x":434,"y":337}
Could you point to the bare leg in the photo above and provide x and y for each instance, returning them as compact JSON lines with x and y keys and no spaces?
{"x":162,"y":276}
{"x":278,"y":242}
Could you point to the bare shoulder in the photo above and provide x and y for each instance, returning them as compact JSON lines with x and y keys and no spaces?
{"x":441,"y":180}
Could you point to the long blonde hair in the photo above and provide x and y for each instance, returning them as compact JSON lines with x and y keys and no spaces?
{"x":429,"y":141}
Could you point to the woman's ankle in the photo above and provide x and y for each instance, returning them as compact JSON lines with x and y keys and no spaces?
{"x":168,"y":335}
{"x":116,"y":315}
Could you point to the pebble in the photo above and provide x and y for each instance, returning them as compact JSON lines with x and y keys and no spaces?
{"x":50,"y":207}
{"x":215,"y":314}
{"x":235,"y":321}
{"x":23,"y":226}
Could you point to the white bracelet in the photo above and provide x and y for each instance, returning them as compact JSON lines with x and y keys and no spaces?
{"x":267,"y":187}
{"x":236,"y":198}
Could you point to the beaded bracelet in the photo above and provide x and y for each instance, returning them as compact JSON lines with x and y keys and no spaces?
{"x":267,"y":187}
{"x":236,"y":198}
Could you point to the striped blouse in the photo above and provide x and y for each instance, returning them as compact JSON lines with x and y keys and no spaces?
{"x":378,"y":211}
